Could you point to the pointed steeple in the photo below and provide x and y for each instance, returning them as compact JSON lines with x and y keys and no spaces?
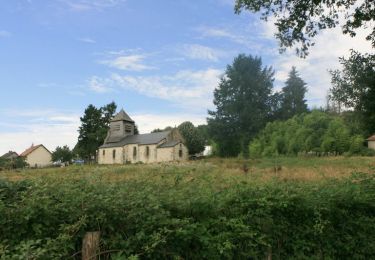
{"x":122,"y":116}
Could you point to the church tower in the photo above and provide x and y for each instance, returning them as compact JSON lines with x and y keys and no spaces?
{"x":121,"y":125}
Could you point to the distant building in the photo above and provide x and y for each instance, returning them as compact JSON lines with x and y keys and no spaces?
{"x":371,"y":142}
{"x":37,"y":156}
{"x":10,"y":155}
{"x":123,"y":146}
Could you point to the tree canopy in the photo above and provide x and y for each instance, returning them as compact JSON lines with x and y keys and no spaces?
{"x":63,"y":154}
{"x":93,"y":129}
{"x":293,"y":96}
{"x":298,"y":22}
{"x":194,"y":139}
{"x":354,"y":87}
{"x":243,"y":102}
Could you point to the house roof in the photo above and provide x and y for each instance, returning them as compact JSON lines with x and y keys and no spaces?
{"x":169,"y":144}
{"x":122,"y":116}
{"x":31,"y":149}
{"x":371,"y":138}
{"x":9,"y":154}
{"x":142,"y":139}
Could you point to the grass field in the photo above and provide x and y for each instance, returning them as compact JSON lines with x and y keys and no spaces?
{"x":312,"y":208}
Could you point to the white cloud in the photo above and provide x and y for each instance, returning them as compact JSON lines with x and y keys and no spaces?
{"x":147,"y":122}
{"x":4,"y":34}
{"x":186,"y":88}
{"x":127,"y":62}
{"x":39,"y":126}
{"x":87,"y":40}
{"x":314,"y":69}
{"x":200,"y":52}
{"x":100,"y":85}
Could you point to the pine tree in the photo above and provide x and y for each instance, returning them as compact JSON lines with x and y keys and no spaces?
{"x":293,"y":100}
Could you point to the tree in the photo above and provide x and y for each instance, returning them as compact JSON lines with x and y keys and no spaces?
{"x":63,"y":154}
{"x":293,"y":96}
{"x":243,"y":105}
{"x":298,"y":22}
{"x":194,"y":140}
{"x":93,"y":129}
{"x":354,"y":87}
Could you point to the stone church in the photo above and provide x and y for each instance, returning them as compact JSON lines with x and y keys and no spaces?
{"x":123,"y":146}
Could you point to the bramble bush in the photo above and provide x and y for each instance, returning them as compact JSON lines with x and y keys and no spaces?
{"x":176,"y":218}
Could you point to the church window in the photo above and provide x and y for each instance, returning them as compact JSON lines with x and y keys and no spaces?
{"x":103,"y":152}
{"x":147,"y":151}
{"x":116,"y":127}
{"x":114,"y":154}
{"x":134,"y":152}
{"x":128,"y":128}
{"x":180,"y":152}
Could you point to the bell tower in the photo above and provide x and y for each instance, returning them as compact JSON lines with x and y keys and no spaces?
{"x":121,"y":125}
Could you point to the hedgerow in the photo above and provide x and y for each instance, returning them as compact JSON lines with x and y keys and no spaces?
{"x":46,"y":218}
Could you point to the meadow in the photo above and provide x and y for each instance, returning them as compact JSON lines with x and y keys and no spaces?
{"x":300,"y":207}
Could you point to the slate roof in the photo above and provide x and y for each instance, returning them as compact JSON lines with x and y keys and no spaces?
{"x":31,"y":149}
{"x":371,"y":138}
{"x":169,"y":144}
{"x":142,"y":139}
{"x":122,"y":116}
{"x":9,"y":155}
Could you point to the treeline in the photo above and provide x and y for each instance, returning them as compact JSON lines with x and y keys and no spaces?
{"x":250,"y":112}
{"x":317,"y":133}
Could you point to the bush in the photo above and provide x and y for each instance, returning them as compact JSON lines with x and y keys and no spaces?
{"x":46,"y":218}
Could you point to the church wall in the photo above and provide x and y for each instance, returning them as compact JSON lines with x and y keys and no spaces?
{"x":107,"y":157}
{"x":152,"y":155}
{"x":176,"y":153}
{"x":165,"y":154}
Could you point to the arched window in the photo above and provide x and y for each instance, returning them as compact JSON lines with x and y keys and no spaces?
{"x":103,"y":153}
{"x":147,"y":151}
{"x":134,"y":152}
{"x":180,"y":152}
{"x":114,"y":154}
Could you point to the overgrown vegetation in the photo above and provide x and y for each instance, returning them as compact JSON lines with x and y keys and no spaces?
{"x":202,"y":210}
{"x":317,"y":132}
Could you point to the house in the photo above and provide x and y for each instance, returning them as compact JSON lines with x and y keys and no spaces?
{"x":37,"y":156}
{"x":371,"y":142}
{"x":10,"y":156}
{"x":123,"y":146}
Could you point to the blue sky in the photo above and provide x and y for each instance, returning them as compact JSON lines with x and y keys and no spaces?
{"x":159,"y":60}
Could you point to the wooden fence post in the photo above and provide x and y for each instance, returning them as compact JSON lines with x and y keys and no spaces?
{"x":90,"y":245}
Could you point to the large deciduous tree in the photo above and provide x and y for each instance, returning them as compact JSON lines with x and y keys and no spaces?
{"x":298,"y":22}
{"x":293,"y":96}
{"x":193,"y":138}
{"x":93,"y":129}
{"x":354,"y":87}
{"x":63,"y":154}
{"x":243,"y":104}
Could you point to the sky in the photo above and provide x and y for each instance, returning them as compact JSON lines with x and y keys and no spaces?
{"x":158,"y":60}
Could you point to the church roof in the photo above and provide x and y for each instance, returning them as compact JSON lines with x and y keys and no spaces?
{"x":170,"y":144}
{"x":142,"y":139}
{"x":122,"y":116}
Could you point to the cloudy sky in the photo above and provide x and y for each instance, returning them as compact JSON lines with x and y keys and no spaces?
{"x":159,"y":60}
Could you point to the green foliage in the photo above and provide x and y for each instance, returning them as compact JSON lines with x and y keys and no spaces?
{"x":187,"y":218}
{"x":316,"y":132}
{"x":16,"y":163}
{"x":93,"y":129}
{"x":243,"y":105}
{"x":193,"y":138}
{"x":63,"y":154}
{"x":298,"y":22}
{"x":293,"y":96}
{"x":354,"y":87}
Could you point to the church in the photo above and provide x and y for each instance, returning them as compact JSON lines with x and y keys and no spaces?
{"x":123,"y":146}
